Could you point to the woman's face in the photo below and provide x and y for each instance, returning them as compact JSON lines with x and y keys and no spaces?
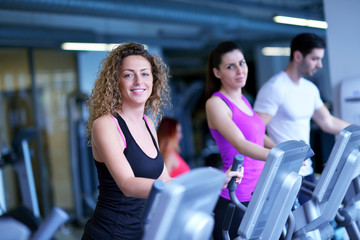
{"x":233,"y":70}
{"x":136,"y":80}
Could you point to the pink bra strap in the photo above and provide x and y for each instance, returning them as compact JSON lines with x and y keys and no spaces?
{"x":146,"y":121}
{"x":118,"y":127}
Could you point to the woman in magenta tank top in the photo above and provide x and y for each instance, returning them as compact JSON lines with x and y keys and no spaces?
{"x":235,"y":127}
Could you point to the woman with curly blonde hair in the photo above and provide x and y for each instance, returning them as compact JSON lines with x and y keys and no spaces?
{"x":131,"y":84}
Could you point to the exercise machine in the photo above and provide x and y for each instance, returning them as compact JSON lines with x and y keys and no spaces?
{"x":83,"y":171}
{"x":11,"y":228}
{"x":19,"y":158}
{"x":348,"y":215}
{"x":312,"y":219}
{"x":25,"y":222}
{"x":183,"y":208}
{"x":274,"y":195}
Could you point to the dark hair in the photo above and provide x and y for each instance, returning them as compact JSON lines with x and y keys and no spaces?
{"x":213,"y":83}
{"x":305,"y":43}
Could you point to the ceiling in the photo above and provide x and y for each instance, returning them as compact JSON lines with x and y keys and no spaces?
{"x":184,"y":29}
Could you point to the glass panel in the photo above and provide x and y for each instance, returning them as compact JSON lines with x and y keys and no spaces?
{"x":55,"y":79}
{"x":16,"y":111}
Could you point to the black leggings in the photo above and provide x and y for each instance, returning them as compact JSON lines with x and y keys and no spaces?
{"x":220,"y":210}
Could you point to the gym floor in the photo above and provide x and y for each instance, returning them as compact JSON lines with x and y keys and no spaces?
{"x":69,"y":232}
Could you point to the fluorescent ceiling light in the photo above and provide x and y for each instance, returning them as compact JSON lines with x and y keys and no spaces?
{"x":76,"y":46}
{"x":301,"y":22}
{"x":276,"y":51}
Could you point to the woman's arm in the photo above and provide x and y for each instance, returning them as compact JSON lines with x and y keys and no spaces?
{"x":170,"y":160}
{"x":219,"y":117}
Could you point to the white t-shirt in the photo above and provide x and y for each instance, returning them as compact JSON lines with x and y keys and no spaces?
{"x":292,"y":107}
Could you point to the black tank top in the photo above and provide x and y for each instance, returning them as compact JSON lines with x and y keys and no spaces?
{"x":117,"y":216}
{"x":141,"y":164}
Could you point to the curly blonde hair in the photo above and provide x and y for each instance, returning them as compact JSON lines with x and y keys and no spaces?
{"x":105,"y":97}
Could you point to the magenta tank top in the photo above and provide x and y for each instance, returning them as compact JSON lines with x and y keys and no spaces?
{"x":253,"y":128}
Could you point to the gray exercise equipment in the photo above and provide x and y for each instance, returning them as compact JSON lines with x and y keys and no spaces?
{"x":19,"y":231}
{"x":19,"y":158}
{"x":275,"y":193}
{"x":3,"y":205}
{"x":183,"y":208}
{"x":268,"y":215}
{"x":83,"y":171}
{"x":312,"y":219}
{"x":51,"y":224}
{"x":11,"y":228}
{"x":349,"y":213}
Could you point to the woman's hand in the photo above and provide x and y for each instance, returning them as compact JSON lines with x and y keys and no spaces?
{"x":229,"y":174}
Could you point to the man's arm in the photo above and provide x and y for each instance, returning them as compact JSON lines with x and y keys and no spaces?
{"x":327,"y":122}
{"x":268,"y":143}
{"x":265,"y":117}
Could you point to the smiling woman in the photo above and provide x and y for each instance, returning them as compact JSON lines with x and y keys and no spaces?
{"x":136,"y":80}
{"x":131,"y":82}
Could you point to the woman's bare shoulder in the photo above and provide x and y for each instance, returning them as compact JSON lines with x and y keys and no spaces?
{"x":215,"y":103}
{"x":104,"y":122}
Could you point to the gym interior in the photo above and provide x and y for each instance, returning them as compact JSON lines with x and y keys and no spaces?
{"x":46,"y":165}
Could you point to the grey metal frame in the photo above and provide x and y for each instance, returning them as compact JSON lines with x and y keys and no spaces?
{"x":183,"y":209}
{"x":275,"y":192}
{"x":312,"y":219}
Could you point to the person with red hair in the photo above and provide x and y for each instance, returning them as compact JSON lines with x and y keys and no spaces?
{"x":169,"y":136}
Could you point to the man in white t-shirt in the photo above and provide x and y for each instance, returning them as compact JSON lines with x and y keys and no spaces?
{"x":288,"y":101}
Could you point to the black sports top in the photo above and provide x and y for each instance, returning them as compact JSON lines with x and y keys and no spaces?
{"x":141,"y":164}
{"x":117,"y":216}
